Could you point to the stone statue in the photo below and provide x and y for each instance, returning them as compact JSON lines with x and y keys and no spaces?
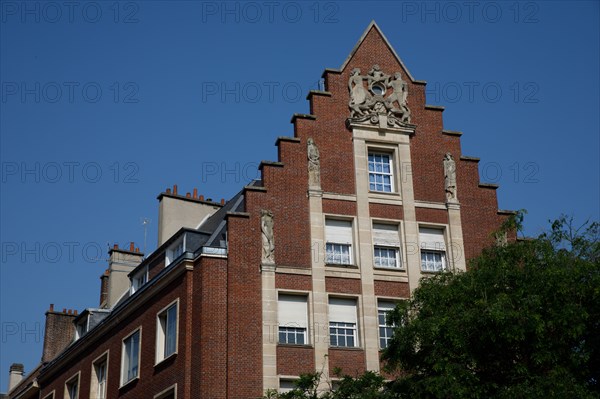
{"x":358,"y":94}
{"x":450,"y":177}
{"x":268,"y":242}
{"x":501,"y":239}
{"x":369,"y":106}
{"x":314,"y":164}
{"x":399,"y":95}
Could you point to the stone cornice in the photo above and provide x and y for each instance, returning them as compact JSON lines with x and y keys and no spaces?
{"x":470,"y":159}
{"x":452,"y":133}
{"x":302,"y":116}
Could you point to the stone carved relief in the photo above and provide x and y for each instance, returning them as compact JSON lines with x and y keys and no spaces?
{"x":450,"y":177}
{"x":314,"y":164}
{"x":268,"y":240}
{"x":369,"y":105}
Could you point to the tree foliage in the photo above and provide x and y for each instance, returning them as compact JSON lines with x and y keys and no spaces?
{"x":523,"y":322}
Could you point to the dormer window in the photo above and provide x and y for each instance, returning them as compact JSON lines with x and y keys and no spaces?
{"x":139,"y":279}
{"x":175,"y":251}
{"x":81,"y":327}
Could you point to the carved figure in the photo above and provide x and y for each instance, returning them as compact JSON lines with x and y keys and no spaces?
{"x":314,"y":164}
{"x":268,"y":241}
{"x":450,"y":176}
{"x":399,"y":95}
{"x":369,"y":106}
{"x":358,"y":94}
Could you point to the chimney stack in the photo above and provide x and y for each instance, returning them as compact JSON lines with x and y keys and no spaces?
{"x":104,"y":287}
{"x":176,"y":211}
{"x":58,"y":333}
{"x":15,"y":375}
{"x":114,"y":281}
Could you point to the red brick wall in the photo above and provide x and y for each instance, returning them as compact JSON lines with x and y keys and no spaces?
{"x":384,"y":211}
{"x":210,"y":330}
{"x":340,"y":285}
{"x":293,"y":282}
{"x":392,"y":289}
{"x":152,"y":379}
{"x":351,"y":361}
{"x":294,"y":360}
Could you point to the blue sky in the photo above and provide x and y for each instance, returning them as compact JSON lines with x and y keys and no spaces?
{"x":105,"y":104}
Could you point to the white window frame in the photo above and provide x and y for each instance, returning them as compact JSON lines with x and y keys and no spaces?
{"x":123,"y":377}
{"x":139,"y":279}
{"x":384,"y":325}
{"x":287,"y":380}
{"x":293,"y":327}
{"x":330,"y":257}
{"x":372,"y":151}
{"x":75,"y":378}
{"x":387,"y":240}
{"x":51,"y":395}
{"x":94,"y":382}
{"x":175,"y":250}
{"x":352,"y":325}
{"x":438,"y":249}
{"x":82,"y":327}
{"x":161,"y":332}
{"x":166,"y":392}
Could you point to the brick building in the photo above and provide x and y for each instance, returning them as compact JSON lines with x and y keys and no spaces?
{"x":295,"y":272}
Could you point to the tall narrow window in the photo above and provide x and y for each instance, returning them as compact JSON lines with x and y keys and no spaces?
{"x":386,"y":246}
{"x":381,"y":176}
{"x":72,"y":388}
{"x":385,"y":331}
{"x":131,"y":357}
{"x":292,"y":318}
{"x":139,"y":279}
{"x":343,"y":322}
{"x":338,"y":236}
{"x":166,"y":334}
{"x":433,"y":249}
{"x":98,"y":385}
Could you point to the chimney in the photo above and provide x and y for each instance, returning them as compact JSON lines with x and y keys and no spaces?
{"x":176,"y":211}
{"x":104,"y":287}
{"x":58,"y":333}
{"x":15,"y":375}
{"x":120,"y":263}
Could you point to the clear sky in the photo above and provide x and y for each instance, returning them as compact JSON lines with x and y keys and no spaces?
{"x":105,"y":104}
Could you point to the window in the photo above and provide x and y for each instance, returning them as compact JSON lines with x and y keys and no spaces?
{"x":385,"y":331}
{"x":169,"y":393}
{"x":338,"y":247}
{"x":433,"y":249}
{"x":139,"y":279}
{"x":292,"y":319}
{"x":131,"y":357}
{"x":98,"y":381}
{"x":166,"y":333}
{"x":380,"y":172}
{"x":386,"y":248}
{"x":72,"y":388}
{"x":49,"y":396}
{"x":175,"y":250}
{"x":286,"y":386}
{"x":81,"y":327}
{"x":342,"y":322}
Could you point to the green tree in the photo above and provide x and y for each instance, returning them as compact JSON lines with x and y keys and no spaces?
{"x":523,"y":322}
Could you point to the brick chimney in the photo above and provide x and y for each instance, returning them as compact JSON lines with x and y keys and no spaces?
{"x":104,"y":287}
{"x":176,"y":211}
{"x":15,"y":375}
{"x":120,"y":263}
{"x":59,"y":332}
